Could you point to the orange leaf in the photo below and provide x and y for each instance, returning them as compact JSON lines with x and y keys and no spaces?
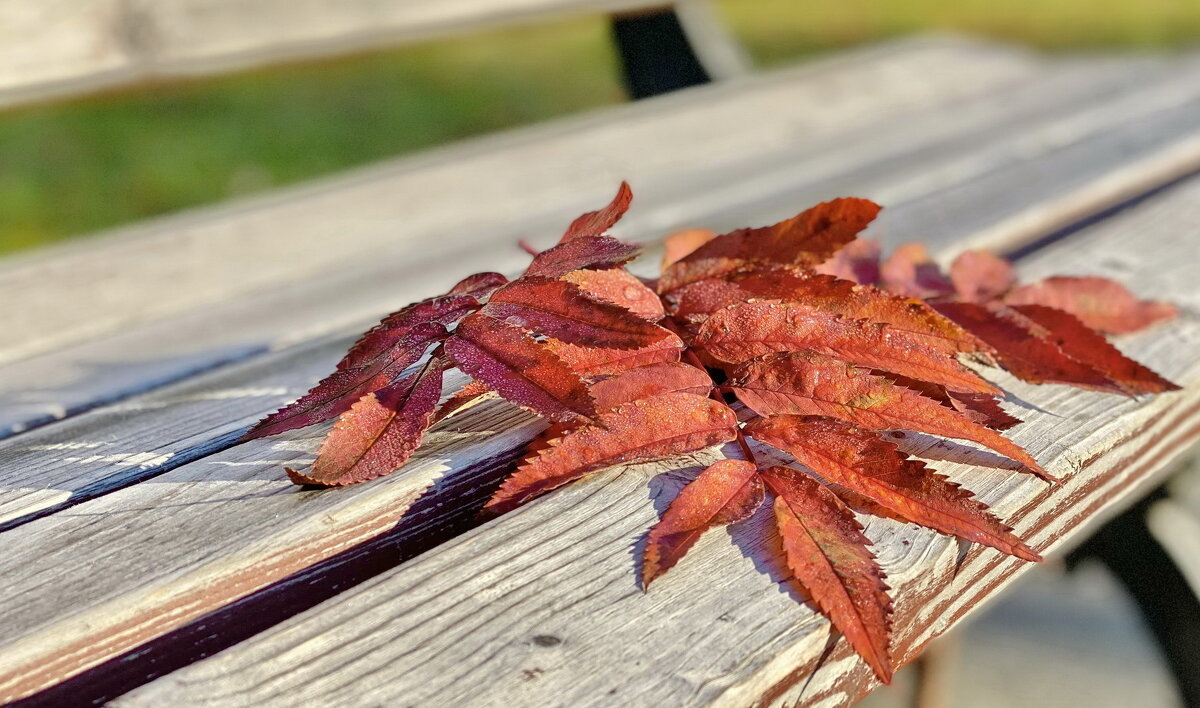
{"x":910,"y":271}
{"x":379,"y":432}
{"x":681,"y":243}
{"x":595,"y":223}
{"x":857,"y":261}
{"x":725,"y":493}
{"x":825,"y":292}
{"x":827,"y":552}
{"x":860,"y":460}
{"x":805,"y":240}
{"x":590,"y":361}
{"x":801,"y":383}
{"x":978,"y":407}
{"x":518,"y":368}
{"x":1023,"y":348}
{"x":650,"y":380}
{"x":619,"y":287}
{"x":1098,"y":302}
{"x":1079,"y":342}
{"x":979,"y":276}
{"x":742,"y":332}
{"x":559,"y":309}
{"x":661,"y":426}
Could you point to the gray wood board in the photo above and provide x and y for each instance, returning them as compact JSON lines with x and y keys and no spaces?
{"x":174,"y":567}
{"x":906,"y":164}
{"x":928,"y":193}
{"x":542,"y":607}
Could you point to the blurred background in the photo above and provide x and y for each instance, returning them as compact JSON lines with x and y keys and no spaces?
{"x":72,"y":168}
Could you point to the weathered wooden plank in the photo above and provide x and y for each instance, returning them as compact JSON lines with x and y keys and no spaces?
{"x":78,"y":46}
{"x":918,"y":152}
{"x":522,"y":610}
{"x":83,"y":290}
{"x":122,"y":444}
{"x":181,"y":567}
{"x":909,"y":184}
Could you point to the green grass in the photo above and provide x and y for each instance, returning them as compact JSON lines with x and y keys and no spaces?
{"x":73,"y":168}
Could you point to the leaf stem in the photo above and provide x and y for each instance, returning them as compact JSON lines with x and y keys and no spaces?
{"x":715,"y":393}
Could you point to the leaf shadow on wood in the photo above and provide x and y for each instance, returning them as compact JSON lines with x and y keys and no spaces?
{"x":934,"y":449}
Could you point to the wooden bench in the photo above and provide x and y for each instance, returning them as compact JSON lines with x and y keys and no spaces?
{"x":140,"y":540}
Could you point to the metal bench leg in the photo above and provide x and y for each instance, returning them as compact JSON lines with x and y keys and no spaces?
{"x":1167,"y":601}
{"x":655,"y":53}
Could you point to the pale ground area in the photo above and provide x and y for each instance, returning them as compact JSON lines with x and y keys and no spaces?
{"x":1056,"y":640}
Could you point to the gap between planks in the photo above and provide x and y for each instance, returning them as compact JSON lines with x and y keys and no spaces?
{"x":457,"y":624}
{"x":47,"y":520}
{"x":935,"y":202}
{"x":214,"y":561}
{"x":1102,"y":107}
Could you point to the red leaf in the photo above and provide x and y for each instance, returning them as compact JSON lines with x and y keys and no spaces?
{"x":681,"y":243}
{"x":805,"y":240}
{"x":386,"y":335}
{"x":558,"y":309}
{"x":463,"y":397}
{"x":825,"y":292}
{"x":725,"y":493}
{"x":857,"y":261}
{"x":1098,"y":302}
{"x":336,"y":393}
{"x":662,"y":426}
{"x":518,"y":368}
{"x":1085,"y":345}
{"x":743,"y":332}
{"x":589,"y":362}
{"x":1019,"y":347}
{"x":827,"y":552}
{"x":479,"y":285}
{"x":910,"y":271}
{"x":982,"y":409}
{"x":379,"y":432}
{"x":651,"y":380}
{"x":979,"y":276}
{"x":795,"y":383}
{"x":978,"y":407}
{"x":619,"y":287}
{"x":860,"y":461}
{"x":595,"y":223}
{"x":582,"y":253}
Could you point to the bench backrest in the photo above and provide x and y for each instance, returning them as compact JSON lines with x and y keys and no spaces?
{"x":51,"y":50}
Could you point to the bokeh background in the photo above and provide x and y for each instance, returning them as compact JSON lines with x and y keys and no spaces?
{"x":74,"y":168}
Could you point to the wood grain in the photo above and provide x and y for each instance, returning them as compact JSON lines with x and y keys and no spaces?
{"x":195,"y":538}
{"x":987,"y":148}
{"x":71,"y":47}
{"x":542,"y":605}
{"x":42,"y":471}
